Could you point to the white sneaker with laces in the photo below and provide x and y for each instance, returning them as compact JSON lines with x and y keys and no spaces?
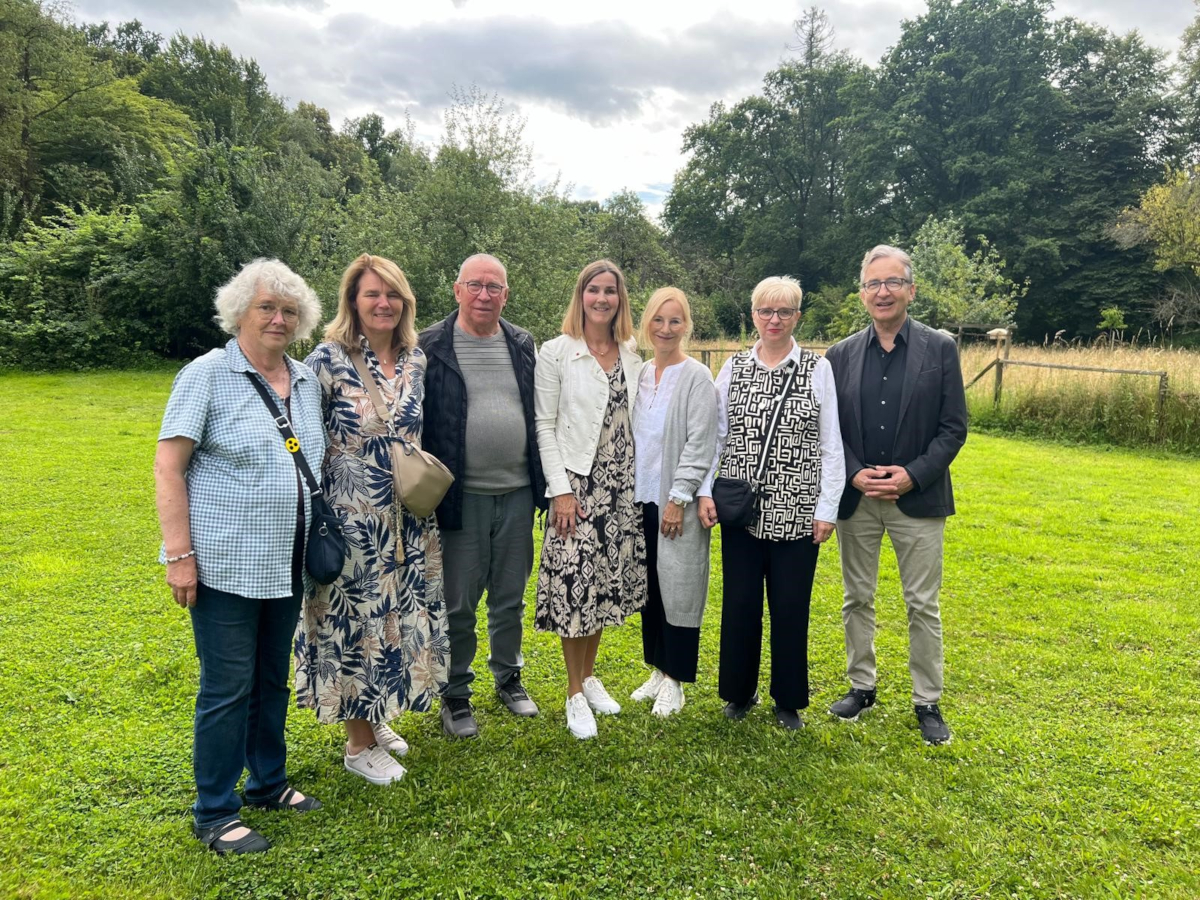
{"x":374,"y":764}
{"x":669,"y":699}
{"x":649,"y":690}
{"x":598,"y":698}
{"x":389,"y":740}
{"x":579,"y":717}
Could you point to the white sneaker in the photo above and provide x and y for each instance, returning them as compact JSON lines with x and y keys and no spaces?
{"x":374,"y":764}
{"x":669,"y":699}
{"x":649,"y":690}
{"x":598,"y":698}
{"x":389,"y":740}
{"x":579,"y":718}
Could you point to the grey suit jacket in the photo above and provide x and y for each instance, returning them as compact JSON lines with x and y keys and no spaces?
{"x":932,"y":427}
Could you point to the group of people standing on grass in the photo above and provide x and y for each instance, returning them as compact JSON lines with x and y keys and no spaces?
{"x":624,"y":455}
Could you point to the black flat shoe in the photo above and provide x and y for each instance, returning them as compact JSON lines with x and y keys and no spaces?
{"x":788,"y":718}
{"x":737,"y":711}
{"x":284,"y":801}
{"x":213,"y":839}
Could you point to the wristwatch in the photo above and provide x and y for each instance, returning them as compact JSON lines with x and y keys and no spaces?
{"x":675,"y":501}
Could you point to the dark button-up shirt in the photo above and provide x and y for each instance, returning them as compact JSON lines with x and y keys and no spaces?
{"x":882,"y":385}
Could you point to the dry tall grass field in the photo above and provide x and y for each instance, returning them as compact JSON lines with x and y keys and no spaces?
{"x":1072,"y":405}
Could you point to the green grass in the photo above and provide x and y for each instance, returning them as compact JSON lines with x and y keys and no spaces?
{"x":1072,"y":633}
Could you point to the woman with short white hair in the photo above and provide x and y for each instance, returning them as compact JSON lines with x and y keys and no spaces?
{"x":233,"y":511}
{"x":778,"y":431}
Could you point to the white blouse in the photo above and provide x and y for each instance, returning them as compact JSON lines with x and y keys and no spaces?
{"x":649,"y":426}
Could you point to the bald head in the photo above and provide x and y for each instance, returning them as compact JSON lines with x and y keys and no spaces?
{"x":492,"y":262}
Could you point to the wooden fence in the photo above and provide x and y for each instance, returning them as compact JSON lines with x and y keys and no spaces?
{"x":1002,"y":361}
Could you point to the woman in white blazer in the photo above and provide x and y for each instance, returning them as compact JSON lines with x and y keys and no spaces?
{"x":593,"y":568}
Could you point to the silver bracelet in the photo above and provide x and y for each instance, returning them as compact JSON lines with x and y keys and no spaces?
{"x":171,"y":559}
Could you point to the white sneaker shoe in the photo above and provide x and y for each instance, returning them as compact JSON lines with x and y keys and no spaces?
{"x":389,"y":740}
{"x":669,"y":699}
{"x":374,"y":764}
{"x":598,"y":698}
{"x":579,"y":718}
{"x":649,"y":690}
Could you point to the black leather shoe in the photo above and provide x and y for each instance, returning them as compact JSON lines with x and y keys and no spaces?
{"x":738,"y":711}
{"x":933,"y":727}
{"x":213,"y":839}
{"x":788,"y":718}
{"x":284,"y":801}
{"x":855,"y":702}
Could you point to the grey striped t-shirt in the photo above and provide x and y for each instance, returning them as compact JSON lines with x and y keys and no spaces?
{"x":497,"y":445}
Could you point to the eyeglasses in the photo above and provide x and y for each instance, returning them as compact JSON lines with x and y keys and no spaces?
{"x":893,"y":284}
{"x":268,"y":311}
{"x":785,"y":313}
{"x":474,"y":287}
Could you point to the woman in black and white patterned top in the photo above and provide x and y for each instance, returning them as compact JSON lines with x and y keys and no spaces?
{"x":797,"y":501}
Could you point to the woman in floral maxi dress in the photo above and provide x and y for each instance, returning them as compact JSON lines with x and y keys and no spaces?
{"x":593,"y":568}
{"x":373,"y":644}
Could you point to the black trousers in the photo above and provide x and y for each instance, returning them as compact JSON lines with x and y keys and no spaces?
{"x":788,"y":568}
{"x":672,"y":649}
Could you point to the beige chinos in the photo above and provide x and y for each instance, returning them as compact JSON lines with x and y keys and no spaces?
{"x":918,"y":546}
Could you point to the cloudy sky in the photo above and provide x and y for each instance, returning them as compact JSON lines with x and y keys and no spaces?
{"x":606,"y":89}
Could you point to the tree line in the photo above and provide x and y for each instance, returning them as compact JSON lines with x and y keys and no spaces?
{"x":1042,"y":172}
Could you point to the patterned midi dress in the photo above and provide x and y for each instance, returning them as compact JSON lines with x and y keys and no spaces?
{"x":374,"y":643}
{"x":598,"y":577}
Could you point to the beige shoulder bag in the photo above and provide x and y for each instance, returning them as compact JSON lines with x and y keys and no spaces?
{"x":421,"y":481}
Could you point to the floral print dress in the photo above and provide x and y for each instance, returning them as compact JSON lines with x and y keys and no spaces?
{"x":374,"y":643}
{"x":598,"y":577}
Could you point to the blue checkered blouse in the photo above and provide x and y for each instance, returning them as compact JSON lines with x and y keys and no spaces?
{"x":241,"y":481}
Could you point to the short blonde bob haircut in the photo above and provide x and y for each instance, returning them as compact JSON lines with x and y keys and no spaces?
{"x":272,"y":277}
{"x":780,"y":288}
{"x":622,"y":322}
{"x":658,"y":299}
{"x":345,"y":327}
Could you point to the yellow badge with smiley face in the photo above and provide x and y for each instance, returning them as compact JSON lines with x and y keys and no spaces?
{"x":293,"y":445}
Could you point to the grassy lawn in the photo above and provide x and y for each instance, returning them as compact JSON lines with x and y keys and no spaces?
{"x":1072,"y":625}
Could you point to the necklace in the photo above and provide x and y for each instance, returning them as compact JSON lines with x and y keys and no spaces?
{"x":596,"y":352}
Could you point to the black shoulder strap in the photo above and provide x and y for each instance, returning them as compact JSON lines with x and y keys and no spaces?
{"x":770,"y":435}
{"x":289,"y":437}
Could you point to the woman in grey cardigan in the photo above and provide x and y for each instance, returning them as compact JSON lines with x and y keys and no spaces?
{"x":675,"y":437}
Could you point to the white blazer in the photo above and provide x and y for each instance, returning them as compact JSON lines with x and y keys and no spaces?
{"x":569,"y":397}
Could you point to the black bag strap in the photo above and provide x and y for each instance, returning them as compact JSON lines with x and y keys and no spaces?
{"x":770,"y":436}
{"x":289,"y":437}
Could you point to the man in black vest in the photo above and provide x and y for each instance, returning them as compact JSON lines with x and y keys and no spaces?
{"x":903,"y":414}
{"x":479,"y":422}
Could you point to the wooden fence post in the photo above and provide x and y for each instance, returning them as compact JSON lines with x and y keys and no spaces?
{"x":1160,"y":407}
{"x":1002,"y":340}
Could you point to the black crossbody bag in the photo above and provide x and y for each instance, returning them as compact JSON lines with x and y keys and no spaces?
{"x":325,"y":554}
{"x":736,"y":499}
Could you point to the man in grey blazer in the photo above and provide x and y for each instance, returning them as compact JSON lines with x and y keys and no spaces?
{"x":903,"y":416}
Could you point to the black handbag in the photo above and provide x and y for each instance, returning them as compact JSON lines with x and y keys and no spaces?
{"x":325,"y":554}
{"x":736,"y":499}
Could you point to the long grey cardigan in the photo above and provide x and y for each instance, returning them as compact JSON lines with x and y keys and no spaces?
{"x":689,"y":443}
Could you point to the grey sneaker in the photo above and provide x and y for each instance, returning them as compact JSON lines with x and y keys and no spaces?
{"x":853,"y":704}
{"x":513,"y":695}
{"x":933,"y":727}
{"x":788,"y":718}
{"x":458,"y":718}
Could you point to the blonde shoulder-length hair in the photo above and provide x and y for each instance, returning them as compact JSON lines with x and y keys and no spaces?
{"x":622,"y":322}
{"x":346,"y":327}
{"x":656,"y":302}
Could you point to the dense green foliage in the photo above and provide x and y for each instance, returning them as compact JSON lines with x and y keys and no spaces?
{"x":138,"y":173}
{"x":1072,"y":774}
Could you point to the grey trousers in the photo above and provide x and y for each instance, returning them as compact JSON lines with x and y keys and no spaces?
{"x":918,"y":546}
{"x":492,"y":552}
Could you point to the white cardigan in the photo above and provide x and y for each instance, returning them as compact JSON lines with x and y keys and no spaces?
{"x":569,"y":397}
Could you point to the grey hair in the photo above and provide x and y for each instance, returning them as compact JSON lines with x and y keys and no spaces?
{"x":885,"y":251}
{"x":482,"y":257}
{"x":270,"y":275}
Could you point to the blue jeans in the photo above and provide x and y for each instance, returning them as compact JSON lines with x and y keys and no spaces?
{"x":244,"y":647}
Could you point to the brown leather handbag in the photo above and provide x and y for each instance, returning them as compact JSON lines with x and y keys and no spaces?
{"x":421,"y":480}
